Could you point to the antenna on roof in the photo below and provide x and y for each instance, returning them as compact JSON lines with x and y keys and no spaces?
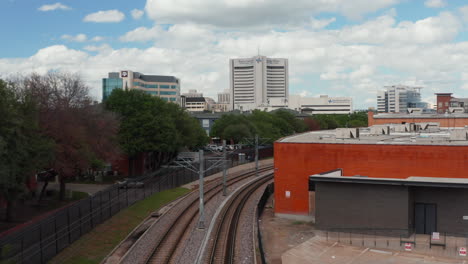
{"x":258,"y":50}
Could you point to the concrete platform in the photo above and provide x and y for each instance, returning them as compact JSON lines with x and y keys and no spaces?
{"x":318,"y":251}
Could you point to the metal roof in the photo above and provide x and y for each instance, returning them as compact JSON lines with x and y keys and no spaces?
{"x":410,"y":181}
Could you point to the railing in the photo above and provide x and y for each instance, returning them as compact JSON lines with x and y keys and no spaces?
{"x":44,"y":239}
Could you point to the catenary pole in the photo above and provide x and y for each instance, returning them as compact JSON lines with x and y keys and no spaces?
{"x":256,"y":155}
{"x":201,"y":220}
{"x":224,"y":168}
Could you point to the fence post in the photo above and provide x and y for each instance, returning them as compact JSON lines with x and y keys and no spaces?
{"x":68,"y":225}
{"x":100,"y":207}
{"x":55,"y":232}
{"x":40,"y":243}
{"x":91,"y":211}
{"x":110,"y":204}
{"x":126,"y":194}
{"x":79,"y":216}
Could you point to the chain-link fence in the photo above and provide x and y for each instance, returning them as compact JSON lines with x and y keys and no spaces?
{"x":42,"y":240}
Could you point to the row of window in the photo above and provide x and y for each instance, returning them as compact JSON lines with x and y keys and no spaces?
{"x":161,"y":93}
{"x":162,"y":86}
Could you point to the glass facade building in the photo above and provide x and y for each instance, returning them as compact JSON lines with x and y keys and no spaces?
{"x":109,"y":84}
{"x":165,"y":87}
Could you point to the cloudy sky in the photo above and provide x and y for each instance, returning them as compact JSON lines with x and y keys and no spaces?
{"x":334,"y":47}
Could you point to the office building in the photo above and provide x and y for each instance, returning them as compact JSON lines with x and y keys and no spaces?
{"x":195,"y":104}
{"x":165,"y":87}
{"x":398,"y":98}
{"x":321,"y":105}
{"x":257,"y":80}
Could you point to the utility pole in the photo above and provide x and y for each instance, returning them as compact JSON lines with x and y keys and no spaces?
{"x":201,"y":220}
{"x":224,"y":168}
{"x":256,"y":155}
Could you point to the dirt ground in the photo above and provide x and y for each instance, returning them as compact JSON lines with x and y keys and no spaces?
{"x":289,"y":241}
{"x":280,"y":235}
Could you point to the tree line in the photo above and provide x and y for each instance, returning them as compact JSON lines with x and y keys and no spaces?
{"x":279,"y":123}
{"x":49,"y":123}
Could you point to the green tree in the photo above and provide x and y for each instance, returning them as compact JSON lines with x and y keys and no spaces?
{"x":151,"y":125}
{"x":23,"y":149}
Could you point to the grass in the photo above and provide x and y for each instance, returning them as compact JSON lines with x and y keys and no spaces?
{"x":93,"y":247}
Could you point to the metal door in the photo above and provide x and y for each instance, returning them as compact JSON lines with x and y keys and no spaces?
{"x":425,"y":218}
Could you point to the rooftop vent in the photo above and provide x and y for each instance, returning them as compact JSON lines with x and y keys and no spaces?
{"x":347,"y":133}
{"x":456,"y":110}
{"x":429,"y":125}
{"x":380,"y":130}
{"x":408,"y":127}
{"x":459,"y":134}
{"x":413,"y":111}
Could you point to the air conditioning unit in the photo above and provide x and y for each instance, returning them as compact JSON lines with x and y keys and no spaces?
{"x":413,"y":111}
{"x":456,"y":110}
{"x":459,"y":134}
{"x":347,"y":133}
{"x":380,"y":130}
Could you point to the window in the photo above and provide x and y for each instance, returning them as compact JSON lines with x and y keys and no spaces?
{"x":172,"y":99}
{"x":440,"y":104}
{"x":446,"y":103}
{"x":167,"y":93}
{"x":151,"y":86}
{"x":164,"y":86}
{"x":165,"y":98}
{"x":173,"y":86}
{"x":152,"y":92}
{"x":137,"y":84}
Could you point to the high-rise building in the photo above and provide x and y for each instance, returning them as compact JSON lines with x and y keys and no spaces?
{"x":165,"y":87}
{"x":254,"y":81}
{"x":398,"y":98}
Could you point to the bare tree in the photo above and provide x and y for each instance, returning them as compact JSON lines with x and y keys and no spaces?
{"x":82,"y":131}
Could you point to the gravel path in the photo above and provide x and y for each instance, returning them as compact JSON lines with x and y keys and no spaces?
{"x":245,"y":247}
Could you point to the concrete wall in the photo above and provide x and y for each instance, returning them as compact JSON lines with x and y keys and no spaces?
{"x":451,"y":207}
{"x":361,"y":206}
{"x":295,"y":162}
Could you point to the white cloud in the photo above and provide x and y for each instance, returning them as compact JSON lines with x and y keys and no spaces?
{"x":137,"y":13}
{"x":142,"y":34}
{"x":109,"y":16}
{"x":250,"y":13}
{"x":351,"y":61}
{"x":77,"y":38}
{"x":52,"y":7}
{"x":101,"y":48}
{"x":97,"y":39}
{"x":435,"y":3}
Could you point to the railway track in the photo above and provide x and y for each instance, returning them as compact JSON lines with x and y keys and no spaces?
{"x":222,"y":246}
{"x":165,"y":246}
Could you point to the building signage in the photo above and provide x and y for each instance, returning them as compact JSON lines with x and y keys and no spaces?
{"x":124,"y":74}
{"x":465,"y":217}
{"x":408,"y":246}
{"x":435,"y":236}
{"x":288,"y":194}
{"x":206,"y":123}
{"x":462,"y":251}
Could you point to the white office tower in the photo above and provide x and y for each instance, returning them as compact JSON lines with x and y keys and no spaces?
{"x":258,"y":83}
{"x":398,"y":98}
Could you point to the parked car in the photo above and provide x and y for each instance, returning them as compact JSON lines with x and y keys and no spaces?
{"x":129,"y":183}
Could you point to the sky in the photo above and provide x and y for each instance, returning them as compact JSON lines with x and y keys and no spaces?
{"x":334,"y":47}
